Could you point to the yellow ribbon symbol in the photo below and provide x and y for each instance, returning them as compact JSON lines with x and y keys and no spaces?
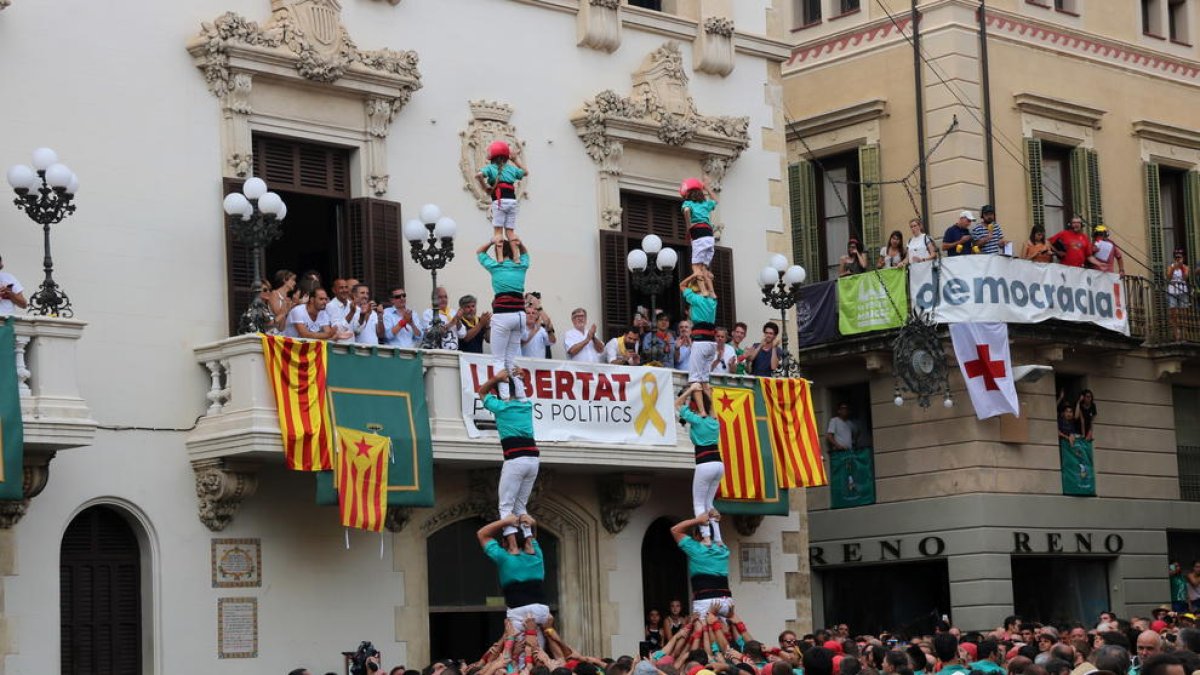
{"x":649,"y":414}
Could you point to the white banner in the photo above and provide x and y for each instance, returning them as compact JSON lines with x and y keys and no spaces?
{"x":1008,"y":290}
{"x":572,"y":401}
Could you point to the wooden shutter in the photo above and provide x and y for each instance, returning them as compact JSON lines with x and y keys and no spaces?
{"x":802,"y":192}
{"x":1191,"y":213}
{"x":1079,"y":188}
{"x":100,"y":595}
{"x":307,"y":168}
{"x":1037,"y":199}
{"x":239,"y":266}
{"x":869,"y":172}
{"x":647,"y":214}
{"x":1095,"y":203}
{"x":373,"y":245}
{"x":722,"y":269}
{"x":1154,"y":222}
{"x":614,"y":284}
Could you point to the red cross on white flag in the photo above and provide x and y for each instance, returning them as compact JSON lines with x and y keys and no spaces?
{"x":983,"y":358}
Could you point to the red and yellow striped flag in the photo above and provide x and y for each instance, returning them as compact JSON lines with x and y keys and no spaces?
{"x":296,"y":369}
{"x":362,"y":478}
{"x":739,"y":444}
{"x":794,"y":434}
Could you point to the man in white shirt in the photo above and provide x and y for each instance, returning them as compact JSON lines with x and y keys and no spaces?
{"x":623,"y":349}
{"x":683,"y":345}
{"x":310,"y":319}
{"x":399,"y":329}
{"x":366,"y":319}
{"x":580,"y":342}
{"x":12,"y":293}
{"x":342,"y":310}
{"x":726,"y":355}
{"x":535,"y":338}
{"x":449,"y":332}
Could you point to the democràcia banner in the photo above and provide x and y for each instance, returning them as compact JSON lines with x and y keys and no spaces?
{"x":572,"y":401}
{"x":986,"y":288}
{"x":871,"y":301}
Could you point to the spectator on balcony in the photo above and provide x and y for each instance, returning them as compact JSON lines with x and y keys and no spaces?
{"x":854,"y":262}
{"x":472,"y":329}
{"x":986,"y":235}
{"x":1106,"y":256}
{"x":1036,"y":249}
{"x":623,"y":349}
{"x":1178,"y":295}
{"x":725,"y":361}
{"x":342,"y":310}
{"x":366,"y":324}
{"x":893,"y":254}
{"x":580,"y":342}
{"x":1085,"y":412}
{"x":279,"y":300}
{"x":1068,"y":426}
{"x":535,"y":298}
{"x":841,"y":432}
{"x":640,"y":322}
{"x":310,"y":320}
{"x":920,"y":246}
{"x":957,"y":238}
{"x":658,"y":345}
{"x":442,"y":305}
{"x":764,"y":356}
{"x":12,"y":293}
{"x":683,"y":344}
{"x":399,"y":327}
{"x":536,"y":338}
{"x":1071,"y":246}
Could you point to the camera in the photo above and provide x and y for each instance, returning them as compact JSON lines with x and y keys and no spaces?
{"x":358,"y":662}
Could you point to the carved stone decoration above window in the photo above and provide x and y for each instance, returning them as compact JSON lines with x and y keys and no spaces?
{"x":303,"y":42}
{"x":598,"y":24}
{"x":659,"y":115}
{"x":714,"y":46}
{"x":619,"y":495}
{"x":489,"y":122}
{"x":221,"y":487}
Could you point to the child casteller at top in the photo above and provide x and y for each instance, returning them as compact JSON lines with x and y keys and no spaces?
{"x":499,"y":177}
{"x":698,"y":205}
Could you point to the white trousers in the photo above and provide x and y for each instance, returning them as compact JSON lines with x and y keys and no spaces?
{"x":705,"y":482}
{"x":540,"y":613}
{"x":718,"y":605}
{"x":504,"y":213}
{"x":702,"y":250}
{"x":516,"y":484}
{"x":700,"y":361}
{"x":505,"y":337}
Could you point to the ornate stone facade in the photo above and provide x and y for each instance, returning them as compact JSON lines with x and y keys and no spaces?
{"x":220,"y":489}
{"x":36,"y":475}
{"x":489,"y":122}
{"x":714,"y":46}
{"x":620,"y":494}
{"x":598,"y":24}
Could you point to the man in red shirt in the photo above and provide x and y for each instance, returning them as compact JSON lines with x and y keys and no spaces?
{"x":1071,"y":246}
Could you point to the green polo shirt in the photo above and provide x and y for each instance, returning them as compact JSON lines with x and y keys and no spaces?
{"x":702,"y":430}
{"x":701,"y":308}
{"x":514,"y":417}
{"x":713,"y":560}
{"x":519,"y":567}
{"x":507,"y":276}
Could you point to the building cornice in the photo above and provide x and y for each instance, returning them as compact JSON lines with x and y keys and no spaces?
{"x":871,"y":35}
{"x":840,"y":118}
{"x":1058,"y":109}
{"x":1166,"y":133}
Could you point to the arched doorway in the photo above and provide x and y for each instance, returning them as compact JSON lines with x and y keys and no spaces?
{"x":664,"y":569}
{"x":100,"y":595}
{"x":466,"y":606}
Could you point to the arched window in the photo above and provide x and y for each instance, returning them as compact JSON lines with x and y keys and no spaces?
{"x":100,"y":595}
{"x":664,"y":570}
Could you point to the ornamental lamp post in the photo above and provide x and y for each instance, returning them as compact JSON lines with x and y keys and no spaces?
{"x":256,"y":219}
{"x":45,"y":193}
{"x":431,"y":240}
{"x":781,"y":289}
{"x":653,"y":269}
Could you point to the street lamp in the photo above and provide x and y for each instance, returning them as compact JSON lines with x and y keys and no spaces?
{"x":256,"y":218}
{"x":45,"y":192}
{"x":781,"y":289}
{"x":432,"y":246}
{"x":653,"y":269}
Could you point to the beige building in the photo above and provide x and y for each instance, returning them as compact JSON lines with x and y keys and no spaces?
{"x":1091,"y":108}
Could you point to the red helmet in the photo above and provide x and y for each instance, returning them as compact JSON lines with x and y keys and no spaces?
{"x":688,"y":185}
{"x":498,"y":149}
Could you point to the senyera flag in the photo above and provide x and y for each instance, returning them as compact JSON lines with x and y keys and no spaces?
{"x":362,"y":478}
{"x":794,"y":434}
{"x":296,"y":369}
{"x":739,"y":444}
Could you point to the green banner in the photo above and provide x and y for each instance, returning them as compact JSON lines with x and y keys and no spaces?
{"x":384,"y":393}
{"x":775,"y":499}
{"x":12,"y":434}
{"x":1078,"y":467}
{"x":851,"y":478}
{"x":872,"y":301}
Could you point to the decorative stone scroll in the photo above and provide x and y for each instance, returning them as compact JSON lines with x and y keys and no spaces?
{"x":714,"y":46}
{"x":747,"y":525}
{"x":220,"y":489}
{"x":659,"y":114}
{"x":36,"y":475}
{"x":489,"y":122}
{"x":620,"y":494}
{"x":598,"y":24}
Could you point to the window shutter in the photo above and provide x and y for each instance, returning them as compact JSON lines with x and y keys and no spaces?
{"x":722,"y":269}
{"x":615,"y":309}
{"x":239,"y":266}
{"x":635,"y":214}
{"x":307,"y":168}
{"x":647,"y":214}
{"x":1191,"y":212}
{"x":802,"y":192}
{"x":1080,"y":182}
{"x":373,"y":244}
{"x":1095,"y":203}
{"x":869,"y":173}
{"x":1037,"y":200}
{"x":1154,"y":223}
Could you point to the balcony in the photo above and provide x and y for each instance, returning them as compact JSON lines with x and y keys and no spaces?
{"x":53,"y":412}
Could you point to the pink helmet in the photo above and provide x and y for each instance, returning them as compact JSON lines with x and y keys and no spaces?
{"x":690,"y":184}
{"x":498,"y":149}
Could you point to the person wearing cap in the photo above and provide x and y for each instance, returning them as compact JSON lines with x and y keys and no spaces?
{"x":957,"y":238}
{"x":708,"y":568}
{"x":1105,"y":253}
{"x":498,"y":178}
{"x":854,"y":262}
{"x":697,"y":208}
{"x":1177,"y":291}
{"x":1071,"y":246}
{"x":986,"y":235}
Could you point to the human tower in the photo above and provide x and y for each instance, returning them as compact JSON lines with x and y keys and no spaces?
{"x":519,"y":561}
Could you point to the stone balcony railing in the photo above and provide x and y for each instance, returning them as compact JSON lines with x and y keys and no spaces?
{"x":54,"y":414}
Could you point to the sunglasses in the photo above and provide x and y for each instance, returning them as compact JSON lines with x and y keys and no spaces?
{"x":397,"y":296}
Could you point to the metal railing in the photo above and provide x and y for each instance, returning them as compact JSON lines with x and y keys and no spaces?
{"x":1189,"y":472}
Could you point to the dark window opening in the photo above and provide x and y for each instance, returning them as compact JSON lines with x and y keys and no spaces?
{"x":847,"y":6}
{"x":1186,"y":401}
{"x":906,"y":598}
{"x":1177,"y":25}
{"x":664,"y":570}
{"x":1152,"y":18}
{"x":858,"y":397}
{"x":809,"y":12}
{"x":1067,"y":389}
{"x":839,"y":209}
{"x":1056,"y":187}
{"x":1174,"y":220}
{"x":1183,"y":547}
{"x":1056,"y":590}
{"x":655,"y":5}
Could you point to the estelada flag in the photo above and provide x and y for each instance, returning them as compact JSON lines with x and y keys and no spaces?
{"x":739,"y":444}
{"x":794,"y":434}
{"x":362,"y":478}
{"x":296,"y":369}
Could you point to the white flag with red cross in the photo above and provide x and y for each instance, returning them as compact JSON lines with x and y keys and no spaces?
{"x":983,"y":358}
